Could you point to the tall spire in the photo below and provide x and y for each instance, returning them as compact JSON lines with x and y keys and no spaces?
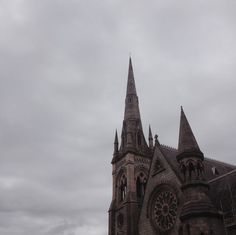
{"x":132,"y":137}
{"x":187,"y":141}
{"x":131,"y":89}
{"x":131,"y":101}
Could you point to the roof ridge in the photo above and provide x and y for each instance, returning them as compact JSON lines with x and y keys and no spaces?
{"x":168,"y":147}
{"x":220,"y":162}
{"x":222,"y":176}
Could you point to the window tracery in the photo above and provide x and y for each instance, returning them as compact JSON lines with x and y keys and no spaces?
{"x":163,"y":208}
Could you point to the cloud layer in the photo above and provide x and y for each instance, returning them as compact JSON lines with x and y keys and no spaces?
{"x":63,"y":71}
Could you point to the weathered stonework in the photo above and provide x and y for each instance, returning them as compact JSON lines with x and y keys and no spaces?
{"x":160,"y":190}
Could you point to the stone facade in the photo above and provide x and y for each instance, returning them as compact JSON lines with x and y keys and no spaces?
{"x":166,"y":191}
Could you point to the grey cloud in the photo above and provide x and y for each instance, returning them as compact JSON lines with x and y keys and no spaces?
{"x":63,"y":71}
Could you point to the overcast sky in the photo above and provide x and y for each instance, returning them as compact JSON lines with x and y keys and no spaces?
{"x":63,"y":72}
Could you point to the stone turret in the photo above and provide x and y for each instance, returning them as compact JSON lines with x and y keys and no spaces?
{"x":198,"y":214}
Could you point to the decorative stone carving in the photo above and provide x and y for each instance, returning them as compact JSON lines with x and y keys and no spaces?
{"x":192,"y":169}
{"x":200,"y":168}
{"x":158,"y":167}
{"x":163,"y":209}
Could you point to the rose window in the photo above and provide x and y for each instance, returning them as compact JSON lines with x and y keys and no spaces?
{"x":165,"y":210}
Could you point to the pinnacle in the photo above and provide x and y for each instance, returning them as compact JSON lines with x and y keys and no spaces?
{"x":116,"y":143}
{"x":131,"y":102}
{"x":150,"y":138}
{"x":116,"y":138}
{"x":150,"y":133}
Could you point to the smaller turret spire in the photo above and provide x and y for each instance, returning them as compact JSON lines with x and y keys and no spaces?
{"x":191,"y":165}
{"x":150,"y":138}
{"x":187,"y":141}
{"x":116,"y":143}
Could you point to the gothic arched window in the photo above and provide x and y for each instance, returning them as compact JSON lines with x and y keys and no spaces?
{"x":141,"y":182}
{"x":163,"y":208}
{"x":122,"y":187}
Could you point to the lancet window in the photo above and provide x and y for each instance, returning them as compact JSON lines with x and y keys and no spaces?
{"x":141,"y":182}
{"x":122,"y":187}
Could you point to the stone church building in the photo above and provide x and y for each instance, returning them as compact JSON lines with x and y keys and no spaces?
{"x":166,"y":191}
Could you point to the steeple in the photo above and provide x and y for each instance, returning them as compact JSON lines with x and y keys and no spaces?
{"x":131,"y":101}
{"x":187,"y":141}
{"x":132,"y":137}
{"x":130,"y":164}
{"x":131,"y":89}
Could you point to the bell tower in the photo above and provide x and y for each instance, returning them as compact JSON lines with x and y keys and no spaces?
{"x":130,"y":165}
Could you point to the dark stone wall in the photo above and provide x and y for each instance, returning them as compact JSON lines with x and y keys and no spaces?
{"x":161,"y":176}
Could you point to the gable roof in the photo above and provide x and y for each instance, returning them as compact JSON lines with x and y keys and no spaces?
{"x":213,"y":168}
{"x":221,"y":177}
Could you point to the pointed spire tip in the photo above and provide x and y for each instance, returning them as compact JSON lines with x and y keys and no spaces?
{"x":187,"y":139}
{"x":131,"y":83}
{"x":130,"y":63}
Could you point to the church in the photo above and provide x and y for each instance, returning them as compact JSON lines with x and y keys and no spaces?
{"x":160,"y":190}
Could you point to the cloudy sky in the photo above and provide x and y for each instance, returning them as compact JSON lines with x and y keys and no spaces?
{"x":63,"y":72}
